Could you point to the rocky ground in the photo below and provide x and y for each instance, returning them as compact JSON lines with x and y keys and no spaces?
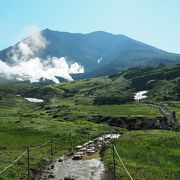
{"x":82,"y":163}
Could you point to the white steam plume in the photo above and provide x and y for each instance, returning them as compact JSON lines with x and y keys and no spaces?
{"x":34,"y":69}
{"x":28,"y":47}
{"x":26,"y":66}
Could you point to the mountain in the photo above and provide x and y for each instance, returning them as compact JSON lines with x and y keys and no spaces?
{"x":100,"y":53}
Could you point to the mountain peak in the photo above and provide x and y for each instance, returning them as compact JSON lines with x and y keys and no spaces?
{"x":47,"y":29}
{"x":98,"y":52}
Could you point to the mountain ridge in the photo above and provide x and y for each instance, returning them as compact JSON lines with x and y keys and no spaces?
{"x":99,"y":52}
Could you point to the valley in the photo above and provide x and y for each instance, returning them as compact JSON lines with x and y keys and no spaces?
{"x":86,"y":109}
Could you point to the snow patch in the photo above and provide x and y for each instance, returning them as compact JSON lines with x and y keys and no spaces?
{"x":35,"y":100}
{"x":99,"y":60}
{"x":140,"y":95}
{"x":19,"y":79}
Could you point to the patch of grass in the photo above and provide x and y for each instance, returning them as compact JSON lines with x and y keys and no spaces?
{"x":84,"y":108}
{"x":134,"y":109}
{"x":148,"y":155}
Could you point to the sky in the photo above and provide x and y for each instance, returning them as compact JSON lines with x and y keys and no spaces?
{"x":155,"y":22}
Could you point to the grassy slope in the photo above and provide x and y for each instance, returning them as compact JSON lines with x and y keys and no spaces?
{"x":132,"y":109}
{"x":21,"y":126}
{"x":23,"y":123}
{"x":148,"y":155}
{"x":163,"y":83}
{"x":17,"y":136}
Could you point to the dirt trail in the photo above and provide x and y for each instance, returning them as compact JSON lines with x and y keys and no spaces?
{"x":83,"y":163}
{"x":79,"y":170}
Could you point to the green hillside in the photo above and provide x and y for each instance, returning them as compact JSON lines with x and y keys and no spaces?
{"x":160,"y":81}
{"x":95,"y":106}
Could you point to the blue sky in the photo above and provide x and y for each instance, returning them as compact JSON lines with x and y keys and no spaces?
{"x":155,"y":22}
